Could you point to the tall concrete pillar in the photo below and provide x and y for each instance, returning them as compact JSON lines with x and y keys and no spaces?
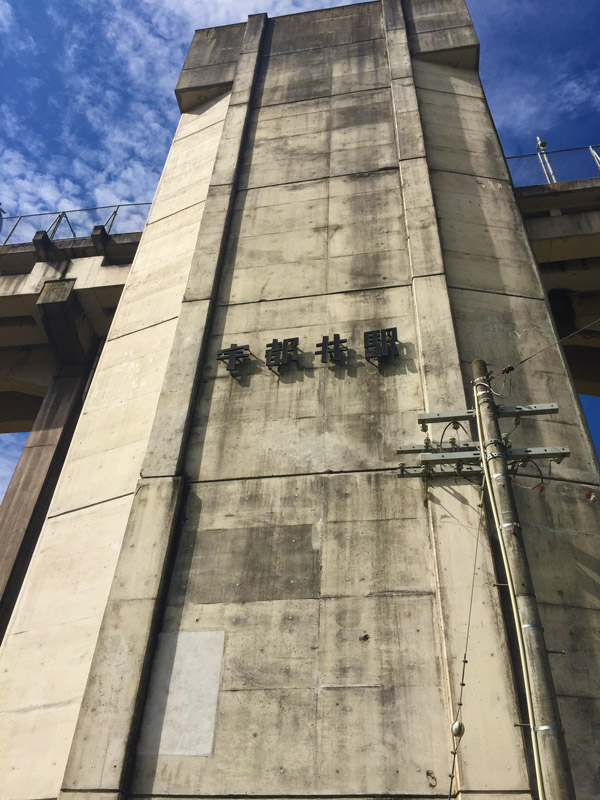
{"x":262,"y":606}
{"x":31,"y":488}
{"x":51,"y":638}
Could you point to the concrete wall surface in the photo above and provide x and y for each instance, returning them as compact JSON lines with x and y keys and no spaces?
{"x":46,"y":655}
{"x":269,"y":610}
{"x":372,"y":192}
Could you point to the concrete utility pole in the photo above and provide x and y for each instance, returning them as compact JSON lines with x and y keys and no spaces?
{"x":554,"y":779}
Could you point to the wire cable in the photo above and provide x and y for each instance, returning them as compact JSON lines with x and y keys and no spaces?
{"x":555,"y":342}
{"x":459,"y":703}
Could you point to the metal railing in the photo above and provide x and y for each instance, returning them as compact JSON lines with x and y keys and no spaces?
{"x":554,"y":166}
{"x":74,"y":223}
{"x":531,"y":169}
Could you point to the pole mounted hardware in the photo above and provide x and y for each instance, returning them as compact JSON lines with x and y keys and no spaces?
{"x":492,"y":458}
{"x":465,"y":456}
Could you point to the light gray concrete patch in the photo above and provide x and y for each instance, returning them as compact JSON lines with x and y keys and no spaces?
{"x":181,"y":709}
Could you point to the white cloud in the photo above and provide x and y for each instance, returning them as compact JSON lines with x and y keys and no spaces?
{"x":533,"y":104}
{"x":7,"y":17}
{"x":114,"y":105}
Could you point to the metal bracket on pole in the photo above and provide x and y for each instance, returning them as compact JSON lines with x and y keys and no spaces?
{"x":533,"y":409}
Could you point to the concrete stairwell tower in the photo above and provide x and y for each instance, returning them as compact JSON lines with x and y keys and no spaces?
{"x":233,"y":593}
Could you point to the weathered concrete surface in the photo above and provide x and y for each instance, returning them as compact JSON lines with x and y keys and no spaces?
{"x":302,"y":570}
{"x":136,"y":598}
{"x":442,"y":31}
{"x":496,"y":291}
{"x":306,"y":420}
{"x":53,"y":631}
{"x":464,"y":558}
{"x":295,"y":666}
{"x":563,"y":544}
{"x":490,"y":266}
{"x":544,"y":378}
{"x":30,"y":490}
{"x":209,"y":66}
{"x":111,"y":707}
{"x":166,"y":447}
{"x":317,"y":606}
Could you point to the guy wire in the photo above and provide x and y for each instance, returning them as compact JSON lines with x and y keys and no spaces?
{"x":459,"y":704}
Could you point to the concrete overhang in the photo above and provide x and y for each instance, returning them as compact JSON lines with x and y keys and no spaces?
{"x":563,"y":223}
{"x":581,"y":195}
{"x":119,"y":248}
{"x":95,"y":267}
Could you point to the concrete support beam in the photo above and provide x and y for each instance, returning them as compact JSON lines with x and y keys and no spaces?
{"x":106,"y":733}
{"x":28,"y":496}
{"x":565,"y":237}
{"x":105,"y":739}
{"x":44,"y":247}
{"x":167,"y":441}
{"x":64,"y":321}
{"x":437,"y":340}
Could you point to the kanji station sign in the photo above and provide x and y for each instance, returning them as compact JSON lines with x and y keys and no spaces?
{"x":378,"y":344}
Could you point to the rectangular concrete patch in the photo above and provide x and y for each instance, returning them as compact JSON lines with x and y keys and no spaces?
{"x":181,"y":709}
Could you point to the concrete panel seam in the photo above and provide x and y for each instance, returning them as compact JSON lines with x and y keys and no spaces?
{"x":181,"y":139}
{"x":318,"y":294}
{"x":322,"y":47}
{"x":444,"y":91}
{"x":322,"y":178}
{"x":216,"y":64}
{"x":174,"y":213}
{"x":494,"y":291}
{"x":325,"y":96}
{"x":143,"y":328}
{"x":90,"y":505}
{"x":441,"y":28}
{"x":325,"y":472}
{"x":473,"y":174}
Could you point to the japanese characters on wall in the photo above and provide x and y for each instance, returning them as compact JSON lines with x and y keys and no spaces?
{"x":378,"y":345}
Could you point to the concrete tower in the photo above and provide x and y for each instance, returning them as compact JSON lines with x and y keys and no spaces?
{"x":233,"y":592}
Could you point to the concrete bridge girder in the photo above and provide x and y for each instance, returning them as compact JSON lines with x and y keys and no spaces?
{"x":28,"y":357}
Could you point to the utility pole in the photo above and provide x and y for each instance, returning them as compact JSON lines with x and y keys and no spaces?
{"x":550,"y":753}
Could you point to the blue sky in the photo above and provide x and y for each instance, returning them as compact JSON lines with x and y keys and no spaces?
{"x":88,"y":110}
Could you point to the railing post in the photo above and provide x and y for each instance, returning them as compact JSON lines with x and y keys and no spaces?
{"x":51,"y":231}
{"x":111,"y":218}
{"x":10,"y":233}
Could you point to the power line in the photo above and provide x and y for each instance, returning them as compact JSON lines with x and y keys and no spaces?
{"x":558,"y":341}
{"x":458,"y":719}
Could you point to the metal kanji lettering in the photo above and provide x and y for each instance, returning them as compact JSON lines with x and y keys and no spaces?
{"x":278,"y":354}
{"x":331,"y":347}
{"x":233,"y":355}
{"x":381,"y":343}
